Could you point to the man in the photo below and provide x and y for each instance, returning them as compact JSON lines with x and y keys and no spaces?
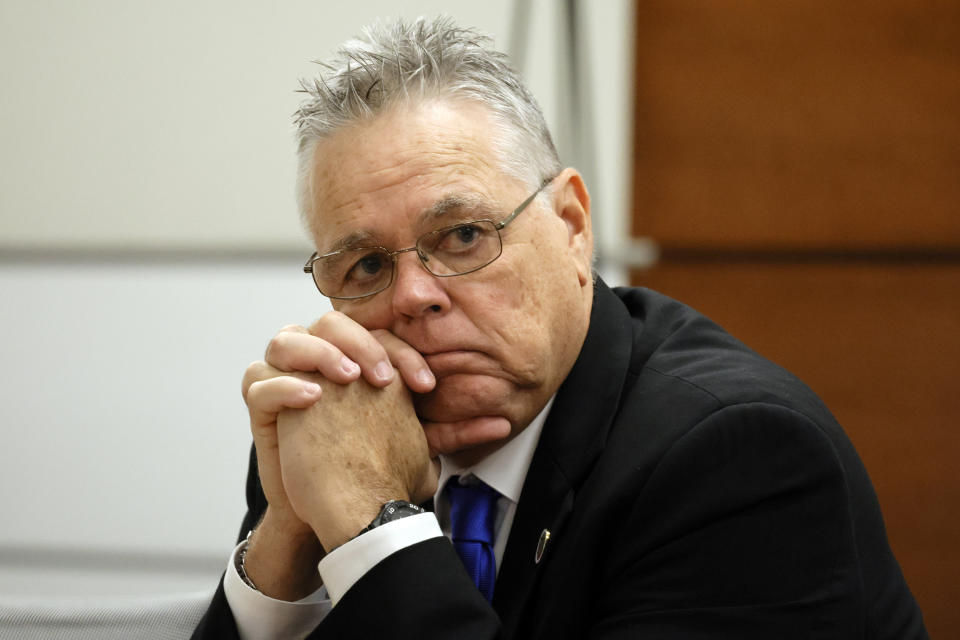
{"x":637,"y":472}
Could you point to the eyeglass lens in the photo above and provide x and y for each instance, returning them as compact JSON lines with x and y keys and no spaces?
{"x":449,"y":251}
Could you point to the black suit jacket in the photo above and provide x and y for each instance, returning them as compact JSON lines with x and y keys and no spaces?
{"x":692,"y":489}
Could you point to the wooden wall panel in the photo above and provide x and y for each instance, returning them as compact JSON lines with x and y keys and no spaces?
{"x":788,"y":156}
{"x":881,"y":346}
{"x":798,"y":123}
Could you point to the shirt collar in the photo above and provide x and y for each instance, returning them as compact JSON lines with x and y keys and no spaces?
{"x":506,"y":468}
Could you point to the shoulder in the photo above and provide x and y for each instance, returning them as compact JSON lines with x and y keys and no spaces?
{"x":726,"y":461}
{"x":686,"y":356}
{"x":694,"y":389}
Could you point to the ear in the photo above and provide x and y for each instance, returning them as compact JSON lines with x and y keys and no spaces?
{"x":572,"y":204}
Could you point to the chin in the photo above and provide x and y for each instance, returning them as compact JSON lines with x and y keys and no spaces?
{"x":459,"y":397}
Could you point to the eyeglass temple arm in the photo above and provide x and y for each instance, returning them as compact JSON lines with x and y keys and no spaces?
{"x":523,"y":205}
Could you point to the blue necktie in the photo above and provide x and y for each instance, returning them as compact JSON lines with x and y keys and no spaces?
{"x":473,"y":511}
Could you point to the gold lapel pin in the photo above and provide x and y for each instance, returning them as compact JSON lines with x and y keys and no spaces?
{"x":542,"y":545}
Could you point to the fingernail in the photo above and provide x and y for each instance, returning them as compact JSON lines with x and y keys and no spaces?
{"x":383,"y":371}
{"x":425,"y":376}
{"x":311,"y":388}
{"x":348,"y":366}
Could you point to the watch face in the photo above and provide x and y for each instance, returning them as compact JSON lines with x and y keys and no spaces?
{"x":396,"y":509}
{"x":393,"y":510}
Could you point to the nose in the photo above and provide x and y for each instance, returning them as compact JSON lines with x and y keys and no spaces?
{"x":416,"y":291}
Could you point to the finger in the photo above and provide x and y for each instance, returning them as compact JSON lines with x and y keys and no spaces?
{"x":293,"y":328}
{"x":411,"y":364}
{"x":267,"y":398}
{"x":255,"y":372}
{"x":357,"y":344}
{"x":450,"y":437}
{"x":300,"y":351}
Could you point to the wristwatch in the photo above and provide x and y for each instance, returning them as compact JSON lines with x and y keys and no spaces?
{"x":393,"y":510}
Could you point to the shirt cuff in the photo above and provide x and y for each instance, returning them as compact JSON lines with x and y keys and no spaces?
{"x":346,"y":564}
{"x":260,"y":616}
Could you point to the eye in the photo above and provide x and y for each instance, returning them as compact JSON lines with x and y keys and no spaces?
{"x":460,"y":238}
{"x":367,"y":268}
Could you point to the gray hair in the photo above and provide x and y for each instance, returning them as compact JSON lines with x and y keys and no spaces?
{"x":398,"y":62}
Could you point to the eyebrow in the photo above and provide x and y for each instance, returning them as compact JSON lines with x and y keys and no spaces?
{"x":447,"y":206}
{"x":454,"y":203}
{"x":355,"y":240}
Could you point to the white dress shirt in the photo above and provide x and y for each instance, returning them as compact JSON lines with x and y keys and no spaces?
{"x":260,"y":616}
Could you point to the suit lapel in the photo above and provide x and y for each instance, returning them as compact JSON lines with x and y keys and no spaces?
{"x":573,"y":436}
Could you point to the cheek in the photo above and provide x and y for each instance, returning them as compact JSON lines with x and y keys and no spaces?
{"x":547,"y":305}
{"x":370,"y":315}
{"x":519,"y":317}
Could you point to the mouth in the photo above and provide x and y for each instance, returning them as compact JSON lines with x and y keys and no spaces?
{"x":435,"y":349}
{"x":454,"y":361}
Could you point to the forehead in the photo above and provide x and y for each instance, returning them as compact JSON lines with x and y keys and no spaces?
{"x":403,"y":168}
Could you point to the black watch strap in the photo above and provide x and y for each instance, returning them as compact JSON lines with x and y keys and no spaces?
{"x":393,"y":510}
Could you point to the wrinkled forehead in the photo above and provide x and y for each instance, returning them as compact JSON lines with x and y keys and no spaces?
{"x":378,"y":231}
{"x":408,"y":169}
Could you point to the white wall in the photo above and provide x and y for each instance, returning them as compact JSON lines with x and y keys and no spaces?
{"x":125,"y":437}
{"x":161,"y":130}
{"x":169,"y":122}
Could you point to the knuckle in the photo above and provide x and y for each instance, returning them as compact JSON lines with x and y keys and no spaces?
{"x":254,"y":391}
{"x":251,"y":375}
{"x":264,"y":394}
{"x":328,"y":319}
{"x":291,"y":328}
{"x":278,"y":343}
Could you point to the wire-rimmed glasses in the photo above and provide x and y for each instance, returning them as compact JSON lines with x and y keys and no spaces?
{"x":349,"y":274}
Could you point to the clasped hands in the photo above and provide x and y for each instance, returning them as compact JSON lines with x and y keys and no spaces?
{"x":335,"y":428}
